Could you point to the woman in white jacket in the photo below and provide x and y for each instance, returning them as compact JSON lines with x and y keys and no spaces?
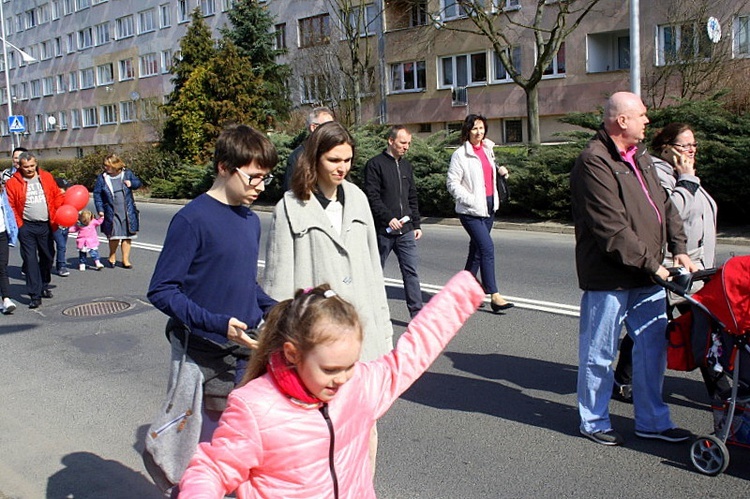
{"x":471,"y":182}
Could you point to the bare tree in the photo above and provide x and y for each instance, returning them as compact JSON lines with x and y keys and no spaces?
{"x":548,"y":24}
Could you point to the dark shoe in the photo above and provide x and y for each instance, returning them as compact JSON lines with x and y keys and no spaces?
{"x":63,"y":272}
{"x":127,"y":266}
{"x":35,"y":303}
{"x":673,"y":435}
{"x":608,"y":437}
{"x":623,"y":393}
{"x":505,"y":306}
{"x":46,"y":293}
{"x":111,"y":264}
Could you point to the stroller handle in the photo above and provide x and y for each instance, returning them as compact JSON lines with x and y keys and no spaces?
{"x":681,"y":280}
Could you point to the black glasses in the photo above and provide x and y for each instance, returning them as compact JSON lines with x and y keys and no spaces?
{"x":255,"y":180}
{"x":694,"y":145}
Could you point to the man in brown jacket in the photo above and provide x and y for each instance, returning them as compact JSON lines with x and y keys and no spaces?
{"x":623,"y":221}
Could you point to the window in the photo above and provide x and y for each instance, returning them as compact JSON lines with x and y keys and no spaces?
{"x":463,"y":70}
{"x":87,"y":78}
{"x":408,"y":76}
{"x":314,"y":89}
{"x":108,"y":114}
{"x":83,"y":4}
{"x":43,"y":13}
{"x":208,"y":7}
{"x":452,"y":9}
{"x":742,"y":36}
{"x":608,"y":51}
{"x":9,"y":26}
{"x":56,"y":9}
{"x":419,"y":16}
{"x":513,"y":131}
{"x":183,"y":10}
{"x":36,"y":88}
{"x":146,"y":21}
{"x":226,"y":5}
{"x":75,"y":118}
{"x":72,"y":81}
{"x":47,"y":50}
{"x":314,"y":30}
{"x":68,"y":7}
{"x":62,"y":120}
{"x":165,"y":16}
{"x":125,"y":27}
{"x":38,"y":123}
{"x":127,"y":71}
{"x":48,"y":85}
{"x":500,"y":74}
{"x":105,"y":73}
{"x":20,"y":23}
{"x":557,"y":66}
{"x":60,"y":84}
{"x":85,"y":38}
{"x":361,"y":22}
{"x":31,"y":18}
{"x":90,"y":117}
{"x":127,"y":111}
{"x":23,"y":91}
{"x":103,"y":34}
{"x":33,"y":51}
{"x":149,"y":65}
{"x":57,"y":44}
{"x":49,"y":122}
{"x":511,"y":4}
{"x":280,"y":36}
{"x":683,"y":42}
{"x":425,"y":128}
{"x":166,"y":60}
{"x":71,"y":39}
{"x":150,"y":108}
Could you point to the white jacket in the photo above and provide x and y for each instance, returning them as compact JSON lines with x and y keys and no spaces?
{"x":466,"y":180}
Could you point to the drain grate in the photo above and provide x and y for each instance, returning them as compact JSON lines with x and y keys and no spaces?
{"x":97,"y":308}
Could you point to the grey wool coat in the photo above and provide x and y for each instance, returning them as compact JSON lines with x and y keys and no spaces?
{"x":304,"y":250}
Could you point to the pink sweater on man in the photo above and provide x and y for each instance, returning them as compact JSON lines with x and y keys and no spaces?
{"x":87,"y":237}
{"x":267,"y":446}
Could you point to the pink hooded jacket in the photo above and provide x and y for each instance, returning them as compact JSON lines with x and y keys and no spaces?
{"x":87,"y":237}
{"x":267,"y":446}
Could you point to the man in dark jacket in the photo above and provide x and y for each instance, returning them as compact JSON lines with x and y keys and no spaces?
{"x":317,"y":117}
{"x":623,"y":221}
{"x":389,"y":185}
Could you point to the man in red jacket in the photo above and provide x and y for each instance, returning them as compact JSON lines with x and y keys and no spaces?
{"x":35,"y":197}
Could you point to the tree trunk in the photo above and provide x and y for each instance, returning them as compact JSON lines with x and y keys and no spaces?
{"x":532,"y":114}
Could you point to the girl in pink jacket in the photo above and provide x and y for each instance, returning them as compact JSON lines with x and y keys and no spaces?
{"x":300,"y":425}
{"x":87,"y":240}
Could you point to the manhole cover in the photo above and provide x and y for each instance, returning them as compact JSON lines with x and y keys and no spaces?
{"x":93,"y":309}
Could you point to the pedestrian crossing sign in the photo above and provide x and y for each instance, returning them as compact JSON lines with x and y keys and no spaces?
{"x":16,"y":124}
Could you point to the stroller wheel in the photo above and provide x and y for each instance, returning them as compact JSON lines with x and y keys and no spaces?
{"x":709,"y":455}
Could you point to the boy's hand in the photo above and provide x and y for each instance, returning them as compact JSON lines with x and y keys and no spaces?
{"x":236,"y":333}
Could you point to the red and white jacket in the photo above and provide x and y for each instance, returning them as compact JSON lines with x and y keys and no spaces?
{"x":267,"y":446}
{"x":16,"y":188}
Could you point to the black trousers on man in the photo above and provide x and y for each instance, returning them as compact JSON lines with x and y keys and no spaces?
{"x":37,"y":251}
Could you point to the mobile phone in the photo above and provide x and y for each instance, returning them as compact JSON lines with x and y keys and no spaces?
{"x":672,"y":156}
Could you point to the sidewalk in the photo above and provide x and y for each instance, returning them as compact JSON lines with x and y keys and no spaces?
{"x":739,"y":236}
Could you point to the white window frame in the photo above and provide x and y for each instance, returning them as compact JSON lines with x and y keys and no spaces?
{"x":89,"y":117}
{"x":82,"y":4}
{"x":49,"y":127}
{"x":165,"y":15}
{"x":60,"y":83}
{"x":146,"y":21}
{"x":208,"y":7}
{"x":469,"y":81}
{"x":499,"y":73}
{"x":62,"y":120}
{"x":85,"y":38}
{"x":127,"y":69}
{"x":698,"y":42}
{"x":558,"y":67}
{"x":105,"y":74}
{"x":127,"y":111}
{"x":124,"y":27}
{"x":108,"y":114}
{"x":369,"y":20}
{"x":148,"y":65}
{"x":166,"y":60}
{"x":48,"y":85}
{"x":183,"y":11}
{"x":36,"y":88}
{"x":741,"y":36}
{"x":38,"y":123}
{"x":87,"y":78}
{"x":103,"y":33}
{"x":73,"y":81}
{"x":75,"y":118}
{"x":399,"y":73}
{"x":71,"y":39}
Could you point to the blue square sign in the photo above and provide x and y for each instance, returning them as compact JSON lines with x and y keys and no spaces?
{"x":16,"y":124}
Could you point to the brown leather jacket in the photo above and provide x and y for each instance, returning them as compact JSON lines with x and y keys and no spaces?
{"x":619,"y":240}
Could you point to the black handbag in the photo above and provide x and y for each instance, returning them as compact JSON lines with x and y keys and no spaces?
{"x":503,"y":190}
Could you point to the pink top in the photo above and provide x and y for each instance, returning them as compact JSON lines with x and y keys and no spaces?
{"x":267,"y":446}
{"x":87,"y":237}
{"x":487,"y":167}
{"x":629,"y":156}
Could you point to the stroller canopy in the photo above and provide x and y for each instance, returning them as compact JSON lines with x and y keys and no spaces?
{"x":727,"y":295}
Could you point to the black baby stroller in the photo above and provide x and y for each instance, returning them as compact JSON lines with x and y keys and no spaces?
{"x":714,"y":335}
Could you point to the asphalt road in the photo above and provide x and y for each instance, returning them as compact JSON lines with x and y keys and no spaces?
{"x":494,"y":417}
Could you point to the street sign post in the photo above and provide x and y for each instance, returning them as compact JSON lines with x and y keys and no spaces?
{"x":16,"y":124}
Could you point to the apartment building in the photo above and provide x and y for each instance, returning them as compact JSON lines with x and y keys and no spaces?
{"x":101,"y":66}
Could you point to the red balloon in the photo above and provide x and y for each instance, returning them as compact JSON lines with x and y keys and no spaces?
{"x":66,"y":215}
{"x":77,"y":196}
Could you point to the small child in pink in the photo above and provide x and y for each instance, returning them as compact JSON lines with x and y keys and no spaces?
{"x":87,"y":240}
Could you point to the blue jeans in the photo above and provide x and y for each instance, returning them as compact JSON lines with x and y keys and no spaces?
{"x":405,"y":247}
{"x":93,"y":253}
{"x":643,"y":311}
{"x":481,"y":256}
{"x":61,"y":240}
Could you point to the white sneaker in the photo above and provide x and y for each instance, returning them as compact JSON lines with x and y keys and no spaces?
{"x":99,"y":265}
{"x":8,"y":306}
{"x":82,"y":267}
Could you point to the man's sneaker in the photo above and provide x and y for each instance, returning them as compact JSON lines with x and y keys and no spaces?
{"x":607,"y":437}
{"x":623,"y":393}
{"x":671,"y":435}
{"x":82,"y":267}
{"x":63,"y":272}
{"x":8,"y":306}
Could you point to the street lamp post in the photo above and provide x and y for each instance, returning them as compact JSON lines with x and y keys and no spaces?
{"x":24,"y":56}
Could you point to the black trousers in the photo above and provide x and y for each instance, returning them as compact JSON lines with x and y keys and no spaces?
{"x":4,"y":256}
{"x":37,"y":250}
